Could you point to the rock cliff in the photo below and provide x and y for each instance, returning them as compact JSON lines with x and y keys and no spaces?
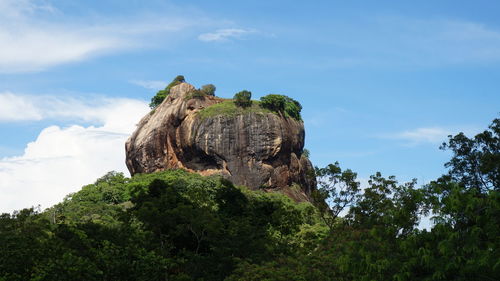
{"x":257,"y":149}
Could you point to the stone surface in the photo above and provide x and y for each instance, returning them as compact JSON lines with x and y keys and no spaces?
{"x":258,"y":150}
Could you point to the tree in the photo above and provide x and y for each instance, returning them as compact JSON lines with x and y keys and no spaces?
{"x":22,"y":236}
{"x":336,"y":191}
{"x":208,"y":90}
{"x":283,"y":104}
{"x":243,"y":98}
{"x":476,"y":161}
{"x":162,"y":94}
{"x":273,"y":102}
{"x":466,"y":208}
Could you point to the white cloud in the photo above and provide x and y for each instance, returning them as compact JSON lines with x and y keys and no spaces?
{"x":425,"y":135}
{"x":431,"y":135}
{"x":150,"y":84}
{"x":35,"y":36}
{"x":61,"y":160}
{"x":224,"y":34}
{"x":418,"y":136}
{"x":17,"y":108}
{"x":101,"y":110}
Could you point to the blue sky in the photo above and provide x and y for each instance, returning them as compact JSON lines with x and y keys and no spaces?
{"x":382,"y":83}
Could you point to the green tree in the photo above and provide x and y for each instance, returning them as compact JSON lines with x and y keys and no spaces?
{"x":162,"y":94}
{"x":22,"y":237}
{"x":208,"y":90}
{"x":337,"y":190}
{"x":283,"y":104}
{"x":466,"y":207}
{"x":243,"y":98}
{"x":476,"y":161}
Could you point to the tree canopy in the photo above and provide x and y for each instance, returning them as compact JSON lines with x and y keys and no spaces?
{"x":282,"y":104}
{"x":243,"y":98}
{"x":175,"y":225}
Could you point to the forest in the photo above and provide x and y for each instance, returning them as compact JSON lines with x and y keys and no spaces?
{"x":175,"y":225}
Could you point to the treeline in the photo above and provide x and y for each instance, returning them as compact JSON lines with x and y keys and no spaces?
{"x":175,"y":225}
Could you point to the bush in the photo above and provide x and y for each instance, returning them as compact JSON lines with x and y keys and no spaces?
{"x":162,"y":94}
{"x":197,"y":94}
{"x":208,"y":90}
{"x":243,"y":98}
{"x":273,"y":102}
{"x":280,"y":103}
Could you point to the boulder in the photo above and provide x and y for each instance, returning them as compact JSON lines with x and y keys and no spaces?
{"x":258,"y":149}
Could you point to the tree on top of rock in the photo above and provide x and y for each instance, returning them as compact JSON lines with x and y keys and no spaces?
{"x":162,"y":94}
{"x":243,"y":98}
{"x":280,"y":103}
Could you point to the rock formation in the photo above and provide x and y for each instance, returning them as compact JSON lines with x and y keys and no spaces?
{"x":255,"y":149}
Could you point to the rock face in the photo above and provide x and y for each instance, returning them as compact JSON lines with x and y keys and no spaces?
{"x":258,"y":150}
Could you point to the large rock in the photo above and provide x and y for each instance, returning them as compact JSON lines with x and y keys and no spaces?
{"x":258,"y":150}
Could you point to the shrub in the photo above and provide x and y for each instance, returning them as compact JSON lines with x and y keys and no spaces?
{"x":162,"y":94}
{"x":158,"y":98}
{"x":197,"y":94}
{"x":280,"y":103}
{"x":243,"y":98}
{"x":208,"y":89}
{"x":273,"y":102}
{"x":293,"y":108}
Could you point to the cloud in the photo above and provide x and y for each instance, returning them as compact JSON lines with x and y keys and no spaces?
{"x":418,"y":136}
{"x":17,"y":108}
{"x":429,"y":135}
{"x":35,"y":36}
{"x":61,"y":160}
{"x":100,"y":110}
{"x":224,"y":34}
{"x":150,"y":84}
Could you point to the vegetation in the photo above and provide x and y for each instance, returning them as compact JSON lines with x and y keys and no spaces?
{"x":242,"y":104}
{"x":208,"y":90}
{"x":243,"y":99}
{"x":282,"y":104}
{"x":229,"y":108}
{"x":171,"y":225}
{"x":162,"y":94}
{"x":175,"y":225}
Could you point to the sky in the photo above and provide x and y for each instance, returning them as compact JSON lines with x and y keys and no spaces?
{"x":382,"y":83}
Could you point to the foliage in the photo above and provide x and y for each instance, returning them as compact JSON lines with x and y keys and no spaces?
{"x":195,"y":94}
{"x":162,"y":94}
{"x":282,"y":104}
{"x":208,"y":90}
{"x":229,"y":108}
{"x":170,"y":225}
{"x":175,"y":225}
{"x":476,"y":161}
{"x":336,"y":191}
{"x":466,"y":204}
{"x":243,"y":99}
